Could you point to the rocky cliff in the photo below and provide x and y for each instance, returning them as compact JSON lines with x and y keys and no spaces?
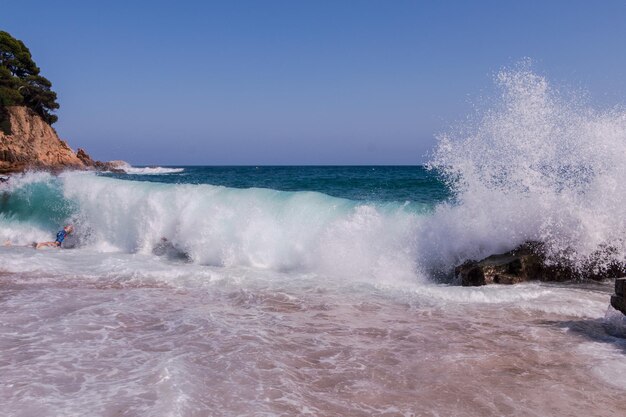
{"x":33,"y":144}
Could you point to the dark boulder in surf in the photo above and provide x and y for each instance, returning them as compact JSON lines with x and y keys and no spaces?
{"x":528,"y":262}
{"x":521,"y":264}
{"x":618,"y":300}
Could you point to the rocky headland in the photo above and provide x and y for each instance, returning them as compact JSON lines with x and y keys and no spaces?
{"x":32,"y":144}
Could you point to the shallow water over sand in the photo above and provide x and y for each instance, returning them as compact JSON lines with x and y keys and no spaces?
{"x":249,"y":342}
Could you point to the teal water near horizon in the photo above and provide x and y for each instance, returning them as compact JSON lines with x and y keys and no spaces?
{"x":364,"y":183}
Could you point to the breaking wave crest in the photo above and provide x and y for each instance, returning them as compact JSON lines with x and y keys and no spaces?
{"x":220,"y":226}
{"x":129,"y":169}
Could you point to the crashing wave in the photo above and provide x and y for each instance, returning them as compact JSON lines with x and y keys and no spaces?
{"x":536,"y":166}
{"x":129,"y":169}
{"x":213,"y":225}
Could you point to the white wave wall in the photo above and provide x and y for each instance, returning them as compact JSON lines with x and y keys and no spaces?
{"x":536,"y":165}
{"x":283,"y":231}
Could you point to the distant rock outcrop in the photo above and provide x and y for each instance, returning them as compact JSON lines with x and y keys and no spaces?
{"x":102,"y":166}
{"x":34,"y":144}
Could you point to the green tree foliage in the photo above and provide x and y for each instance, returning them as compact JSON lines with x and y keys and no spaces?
{"x":20,"y":82}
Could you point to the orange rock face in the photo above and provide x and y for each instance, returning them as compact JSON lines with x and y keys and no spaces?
{"x":34,"y":144}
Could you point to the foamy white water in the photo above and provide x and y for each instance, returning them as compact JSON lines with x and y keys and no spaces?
{"x":267,"y":229}
{"x":129,"y":169}
{"x":133,"y":335}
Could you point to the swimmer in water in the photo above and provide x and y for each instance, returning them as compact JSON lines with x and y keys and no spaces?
{"x":67,"y":230}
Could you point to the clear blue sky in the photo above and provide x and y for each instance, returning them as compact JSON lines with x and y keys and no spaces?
{"x":299,"y":82}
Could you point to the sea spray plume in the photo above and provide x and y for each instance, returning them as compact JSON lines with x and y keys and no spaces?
{"x":536,"y":166}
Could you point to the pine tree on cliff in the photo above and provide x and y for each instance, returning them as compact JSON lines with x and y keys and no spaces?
{"x":21,"y":84}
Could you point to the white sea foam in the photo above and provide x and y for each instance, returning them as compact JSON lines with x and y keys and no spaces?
{"x":259,"y":228}
{"x":152,"y":170}
{"x":615,"y":322}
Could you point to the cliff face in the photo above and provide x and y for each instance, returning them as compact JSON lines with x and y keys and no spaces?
{"x":33,"y":144}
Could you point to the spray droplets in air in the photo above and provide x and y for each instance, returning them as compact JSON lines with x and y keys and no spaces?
{"x":537,"y":165}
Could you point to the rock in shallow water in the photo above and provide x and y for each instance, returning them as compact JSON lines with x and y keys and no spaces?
{"x":519,"y":265}
{"x":618,"y":300}
{"x":528,"y":263}
{"x":507,"y":268}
